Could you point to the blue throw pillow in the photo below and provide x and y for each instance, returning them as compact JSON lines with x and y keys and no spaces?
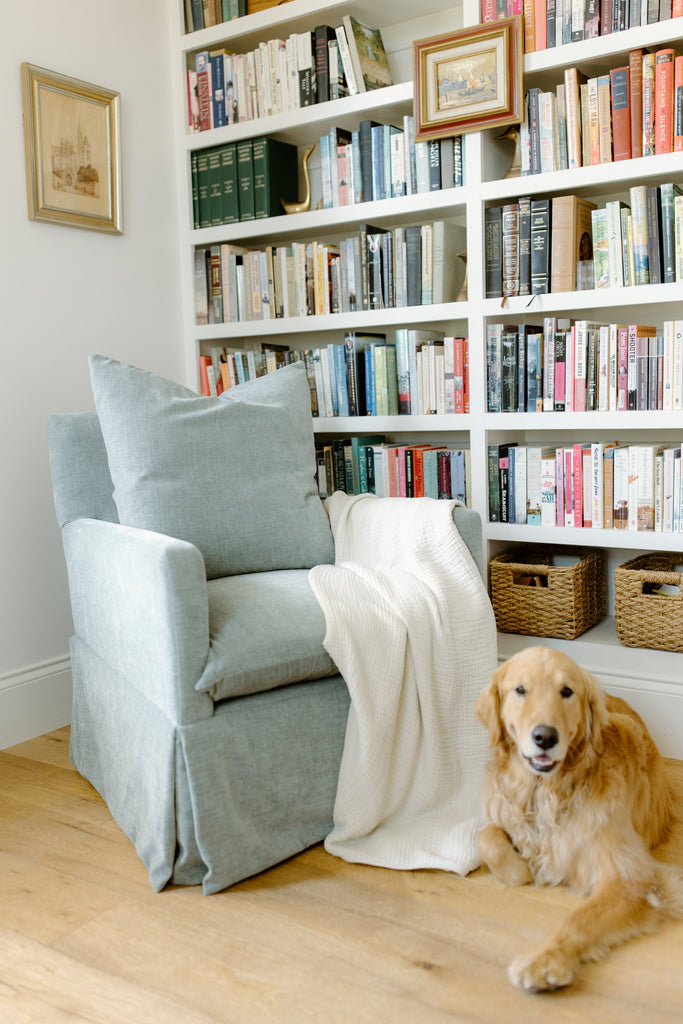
{"x":234,"y":475}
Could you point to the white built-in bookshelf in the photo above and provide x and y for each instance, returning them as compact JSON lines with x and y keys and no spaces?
{"x":651,"y":680}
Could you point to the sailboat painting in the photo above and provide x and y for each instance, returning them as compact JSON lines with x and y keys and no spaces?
{"x":469,"y":79}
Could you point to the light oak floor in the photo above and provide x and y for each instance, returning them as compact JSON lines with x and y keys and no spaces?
{"x":84,"y":938}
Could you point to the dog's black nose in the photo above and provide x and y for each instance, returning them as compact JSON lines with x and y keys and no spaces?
{"x":545,"y":736}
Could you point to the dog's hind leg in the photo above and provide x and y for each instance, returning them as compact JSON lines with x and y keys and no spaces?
{"x":617,"y":911}
{"x":501,"y":858}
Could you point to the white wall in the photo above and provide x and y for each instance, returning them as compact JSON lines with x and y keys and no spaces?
{"x":66,"y":292}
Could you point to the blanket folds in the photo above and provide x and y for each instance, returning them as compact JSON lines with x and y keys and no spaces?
{"x":411,"y":629}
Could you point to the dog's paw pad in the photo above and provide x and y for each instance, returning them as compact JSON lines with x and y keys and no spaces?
{"x":541,"y":972}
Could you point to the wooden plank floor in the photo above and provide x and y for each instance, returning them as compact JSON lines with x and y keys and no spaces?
{"x":84,"y":938}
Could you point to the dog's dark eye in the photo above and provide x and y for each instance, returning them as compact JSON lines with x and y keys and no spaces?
{"x":566,"y":691}
{"x":520,"y":691}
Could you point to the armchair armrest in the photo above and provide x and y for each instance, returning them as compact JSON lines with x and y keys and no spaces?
{"x":139,"y":600}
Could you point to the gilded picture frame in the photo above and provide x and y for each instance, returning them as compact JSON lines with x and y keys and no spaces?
{"x":469,"y":80}
{"x":73,"y":151}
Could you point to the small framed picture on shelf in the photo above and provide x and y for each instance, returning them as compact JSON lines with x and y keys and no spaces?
{"x":73,"y":151}
{"x":469,"y":80}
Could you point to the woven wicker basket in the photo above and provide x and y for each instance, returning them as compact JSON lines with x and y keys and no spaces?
{"x":643,"y":618}
{"x":570,"y":599}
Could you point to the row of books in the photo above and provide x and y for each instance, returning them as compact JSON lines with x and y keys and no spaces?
{"x":549,"y":23}
{"x":381,"y":161}
{"x":375,"y":269}
{"x":201,"y":14}
{"x":640,"y":243}
{"x":584,"y":367}
{"x":280,"y":75}
{"x":413,"y":373}
{"x":359,"y":465}
{"x":242,"y":181}
{"x":597,"y":485}
{"x":534,"y":245}
{"x":631,"y":111}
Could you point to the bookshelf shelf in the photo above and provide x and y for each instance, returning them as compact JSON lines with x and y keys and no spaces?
{"x":414,"y":425}
{"x":583,"y":423}
{"x":614,"y":303}
{"x":305,"y":125}
{"x":591,"y":54}
{"x":649,"y":672}
{"x":370,"y":320}
{"x":598,"y":180}
{"x":449,"y":203}
{"x":588,"y":537}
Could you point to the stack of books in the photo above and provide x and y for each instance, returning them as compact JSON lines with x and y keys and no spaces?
{"x":375,"y":269}
{"x":311,"y":67}
{"x":587,"y":485}
{"x":584,"y":366}
{"x":413,"y":373}
{"x":533,"y":246}
{"x":549,"y":23}
{"x":631,"y":111}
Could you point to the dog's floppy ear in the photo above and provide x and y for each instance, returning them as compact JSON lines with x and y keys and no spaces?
{"x":595,"y":711}
{"x":487,"y":706}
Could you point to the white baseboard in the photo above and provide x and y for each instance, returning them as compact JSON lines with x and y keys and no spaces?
{"x":35,"y":701}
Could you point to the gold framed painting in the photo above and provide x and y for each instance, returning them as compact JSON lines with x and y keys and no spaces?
{"x":469,"y":80}
{"x":73,"y":151}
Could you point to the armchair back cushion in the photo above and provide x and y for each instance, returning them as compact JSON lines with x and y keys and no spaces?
{"x":233,"y":475}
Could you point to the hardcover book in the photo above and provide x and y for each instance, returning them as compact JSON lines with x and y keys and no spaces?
{"x":572,"y":240}
{"x":368,"y":56}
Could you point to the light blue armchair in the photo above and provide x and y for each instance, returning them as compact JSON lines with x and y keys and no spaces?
{"x":206,"y":711}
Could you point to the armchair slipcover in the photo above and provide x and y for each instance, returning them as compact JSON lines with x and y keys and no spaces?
{"x":206,"y":711}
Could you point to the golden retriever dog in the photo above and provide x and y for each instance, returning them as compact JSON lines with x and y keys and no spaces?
{"x":575,"y":793}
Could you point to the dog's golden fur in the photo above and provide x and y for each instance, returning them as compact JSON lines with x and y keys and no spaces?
{"x":575,"y":793}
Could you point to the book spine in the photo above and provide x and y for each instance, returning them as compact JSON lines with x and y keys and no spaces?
{"x":648,"y":87}
{"x":573,"y":105}
{"x":621,"y":114}
{"x":510,"y":229}
{"x":493,"y":238}
{"x":635,"y":65}
{"x":639,"y":227}
{"x":540,"y":246}
{"x":663,"y":100}
{"x":678,"y":105}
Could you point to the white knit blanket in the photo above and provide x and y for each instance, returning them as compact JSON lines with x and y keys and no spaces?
{"x":411,"y":629}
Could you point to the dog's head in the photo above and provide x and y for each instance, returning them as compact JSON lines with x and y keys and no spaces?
{"x":545,"y":705}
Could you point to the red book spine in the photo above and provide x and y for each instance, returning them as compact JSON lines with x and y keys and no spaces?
{"x":635,"y":67}
{"x":466,"y":372}
{"x":540,"y":15}
{"x":677,"y":9}
{"x":678,"y":103}
{"x":664,"y":103}
{"x":621,"y":114}
{"x":203,"y":376}
{"x":489,"y":10}
{"x":205,"y":101}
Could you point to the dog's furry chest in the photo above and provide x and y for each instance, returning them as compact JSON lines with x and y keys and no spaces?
{"x":542,"y":829}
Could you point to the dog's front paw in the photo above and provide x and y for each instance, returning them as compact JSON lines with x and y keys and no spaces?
{"x":542,"y":972}
{"x":513,"y":871}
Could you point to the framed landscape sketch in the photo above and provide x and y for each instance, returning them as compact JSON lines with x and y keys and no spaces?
{"x":72,"y":136}
{"x":469,"y":80}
